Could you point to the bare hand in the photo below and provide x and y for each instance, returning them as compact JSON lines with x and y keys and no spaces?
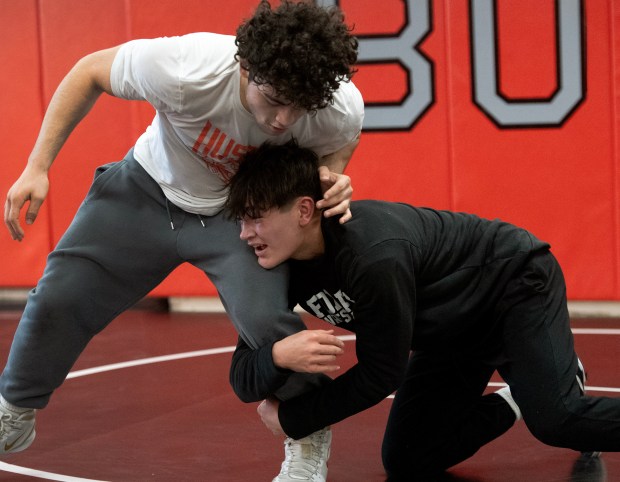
{"x":337,"y":192}
{"x":32,"y":186}
{"x":268,"y":411}
{"x":309,"y":351}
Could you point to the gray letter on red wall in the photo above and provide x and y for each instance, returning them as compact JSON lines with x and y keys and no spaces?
{"x":400,"y":49}
{"x":571,"y":79}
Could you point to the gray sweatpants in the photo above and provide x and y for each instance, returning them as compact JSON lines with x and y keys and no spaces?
{"x":118,"y":248}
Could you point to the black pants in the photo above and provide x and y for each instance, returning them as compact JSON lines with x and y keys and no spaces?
{"x":440,"y":416}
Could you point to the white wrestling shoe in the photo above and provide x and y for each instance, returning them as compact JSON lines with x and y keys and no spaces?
{"x":306,"y":458}
{"x":16,"y":428}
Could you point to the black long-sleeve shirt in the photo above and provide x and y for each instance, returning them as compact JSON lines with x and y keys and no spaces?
{"x":401,"y":278}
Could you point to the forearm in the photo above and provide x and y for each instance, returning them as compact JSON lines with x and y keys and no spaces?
{"x":345,"y":396}
{"x":253,"y":375}
{"x":285,"y":368}
{"x":338,"y":161}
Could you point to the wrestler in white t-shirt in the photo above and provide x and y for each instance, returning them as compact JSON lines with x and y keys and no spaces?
{"x":200,"y":127}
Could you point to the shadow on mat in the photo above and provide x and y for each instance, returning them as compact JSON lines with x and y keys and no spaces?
{"x":589,"y":469}
{"x":445,"y":477}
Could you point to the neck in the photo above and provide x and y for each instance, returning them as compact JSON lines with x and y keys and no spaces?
{"x":313,"y":244}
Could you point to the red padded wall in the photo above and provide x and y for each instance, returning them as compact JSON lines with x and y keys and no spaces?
{"x":20,"y":117}
{"x":614,"y":231}
{"x":560,"y":182}
{"x":70,"y":30}
{"x":557,"y":182}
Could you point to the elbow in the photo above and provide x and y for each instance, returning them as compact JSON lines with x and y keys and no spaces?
{"x":246,"y":396}
{"x":389,"y":386}
{"x":245,"y":391}
{"x":394,"y":383}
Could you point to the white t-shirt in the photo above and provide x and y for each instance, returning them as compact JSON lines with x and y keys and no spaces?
{"x":200,"y":128}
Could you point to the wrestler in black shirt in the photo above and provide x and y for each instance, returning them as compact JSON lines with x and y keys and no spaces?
{"x":467,"y":296}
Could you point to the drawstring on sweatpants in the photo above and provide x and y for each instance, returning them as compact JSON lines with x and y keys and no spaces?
{"x":169,"y":215}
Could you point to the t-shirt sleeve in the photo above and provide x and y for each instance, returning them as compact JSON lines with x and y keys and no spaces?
{"x":149,"y":69}
{"x":355,"y":112}
{"x":173,"y":74}
{"x":339,"y":124}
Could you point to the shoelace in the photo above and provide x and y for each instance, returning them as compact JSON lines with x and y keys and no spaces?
{"x":299,"y":464}
{"x":7,"y":422}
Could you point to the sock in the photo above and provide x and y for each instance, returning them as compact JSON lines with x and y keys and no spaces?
{"x":506,"y":395}
{"x":12,"y":407}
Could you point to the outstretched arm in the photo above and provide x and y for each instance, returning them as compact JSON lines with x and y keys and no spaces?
{"x":73,"y":99}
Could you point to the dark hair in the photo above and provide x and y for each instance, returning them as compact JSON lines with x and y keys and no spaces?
{"x":272,"y":176}
{"x":301,"y":50}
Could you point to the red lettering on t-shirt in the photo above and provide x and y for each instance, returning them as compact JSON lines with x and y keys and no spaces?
{"x":208,"y":146}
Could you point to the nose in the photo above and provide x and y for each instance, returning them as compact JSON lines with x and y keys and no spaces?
{"x":287,"y":115}
{"x":245,"y":231}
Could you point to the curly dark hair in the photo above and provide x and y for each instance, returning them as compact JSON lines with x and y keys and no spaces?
{"x":271,"y":176}
{"x":301,"y":50}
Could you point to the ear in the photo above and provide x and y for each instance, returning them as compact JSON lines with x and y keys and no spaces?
{"x":245,"y":73}
{"x":307,"y":210}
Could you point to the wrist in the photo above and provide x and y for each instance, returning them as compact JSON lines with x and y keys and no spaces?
{"x":38,"y":165}
{"x":276,"y":355}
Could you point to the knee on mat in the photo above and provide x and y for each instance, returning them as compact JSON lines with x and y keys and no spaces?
{"x":549,"y":430}
{"x":410,"y":472}
{"x":405,"y":462}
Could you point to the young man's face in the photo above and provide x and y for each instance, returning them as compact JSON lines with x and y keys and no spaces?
{"x":273,"y":114}
{"x":275,"y":236}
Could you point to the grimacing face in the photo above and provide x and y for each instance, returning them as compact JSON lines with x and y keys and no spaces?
{"x":275,"y":236}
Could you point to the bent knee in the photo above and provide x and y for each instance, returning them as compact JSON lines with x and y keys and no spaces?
{"x":551,"y":430}
{"x":408,"y":461}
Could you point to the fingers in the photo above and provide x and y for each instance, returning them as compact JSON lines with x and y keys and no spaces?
{"x":310,"y":351}
{"x":11,"y":216}
{"x":345,"y":217}
{"x":29,"y":188}
{"x":337,"y":193}
{"x":11,"y":219}
{"x":324,"y":365}
{"x":324,"y":351}
{"x":329,"y":344}
{"x":334,"y":185}
{"x":342,"y":209}
{"x":33,"y":210}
